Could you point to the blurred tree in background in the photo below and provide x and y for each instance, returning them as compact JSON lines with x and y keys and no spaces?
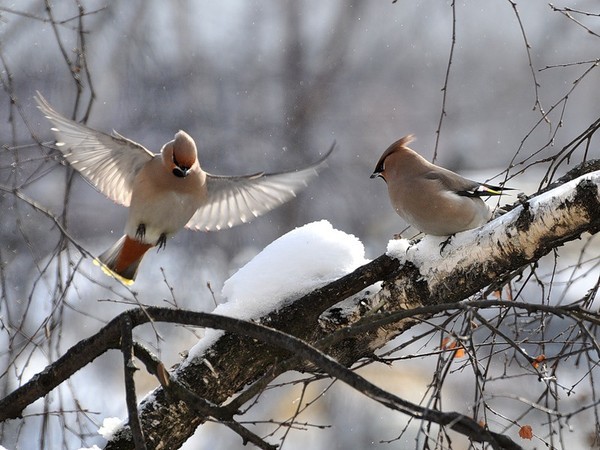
{"x":502,"y":90}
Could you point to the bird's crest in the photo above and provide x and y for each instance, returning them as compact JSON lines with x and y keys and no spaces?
{"x":396,"y":146}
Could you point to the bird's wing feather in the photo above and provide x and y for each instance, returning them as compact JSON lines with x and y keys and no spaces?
{"x":463,"y":186}
{"x":234,"y":200}
{"x":450,"y":180}
{"x":108,"y":163}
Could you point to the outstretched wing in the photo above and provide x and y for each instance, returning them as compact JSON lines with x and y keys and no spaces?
{"x":234,"y":200}
{"x":109,"y":163}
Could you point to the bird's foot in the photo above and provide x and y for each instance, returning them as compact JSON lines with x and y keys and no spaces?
{"x":444,"y":243}
{"x":140,"y":233}
{"x":162,"y":241}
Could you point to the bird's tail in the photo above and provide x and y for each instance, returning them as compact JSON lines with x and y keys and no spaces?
{"x":489,"y":189}
{"x":485,"y":190}
{"x":122,"y":260}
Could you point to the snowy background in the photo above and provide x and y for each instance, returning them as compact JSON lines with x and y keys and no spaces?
{"x":265,"y":85}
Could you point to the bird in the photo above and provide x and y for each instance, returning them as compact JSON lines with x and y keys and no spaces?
{"x":165,"y":192}
{"x":434,"y":200}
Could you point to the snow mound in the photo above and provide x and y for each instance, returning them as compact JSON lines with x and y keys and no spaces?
{"x":300,"y":261}
{"x":397,"y":248}
{"x":295,"y":264}
{"x":110,"y":425}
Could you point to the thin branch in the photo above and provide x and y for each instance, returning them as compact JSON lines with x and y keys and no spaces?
{"x":446,"y":82}
{"x":130,"y":397}
{"x":63,"y":51}
{"x":380,"y":320}
{"x":567,"y":13}
{"x":536,"y":84}
{"x":578,"y":63}
{"x":179,"y":392}
{"x":36,"y":206}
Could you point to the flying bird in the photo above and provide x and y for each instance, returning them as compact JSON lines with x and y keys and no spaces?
{"x":168,"y":191}
{"x":432,"y":199}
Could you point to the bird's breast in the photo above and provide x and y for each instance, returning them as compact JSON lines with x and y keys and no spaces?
{"x":440,"y":213}
{"x":164,"y":206}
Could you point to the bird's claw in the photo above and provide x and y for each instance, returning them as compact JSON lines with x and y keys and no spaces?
{"x":162,"y":241}
{"x":444,"y":243}
{"x":140,"y":233}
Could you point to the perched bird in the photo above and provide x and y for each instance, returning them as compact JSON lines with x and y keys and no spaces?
{"x":432,"y":199}
{"x":168,"y":191}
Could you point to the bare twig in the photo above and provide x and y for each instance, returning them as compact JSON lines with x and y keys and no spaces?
{"x":130,"y":397}
{"x":446,"y":82}
{"x":179,"y":392}
{"x":567,"y":13}
{"x":536,"y":84}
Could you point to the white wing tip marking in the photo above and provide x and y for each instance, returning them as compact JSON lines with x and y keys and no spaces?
{"x":60,"y":144}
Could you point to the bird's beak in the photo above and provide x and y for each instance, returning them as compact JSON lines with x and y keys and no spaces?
{"x":181,"y":172}
{"x":375,"y":174}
